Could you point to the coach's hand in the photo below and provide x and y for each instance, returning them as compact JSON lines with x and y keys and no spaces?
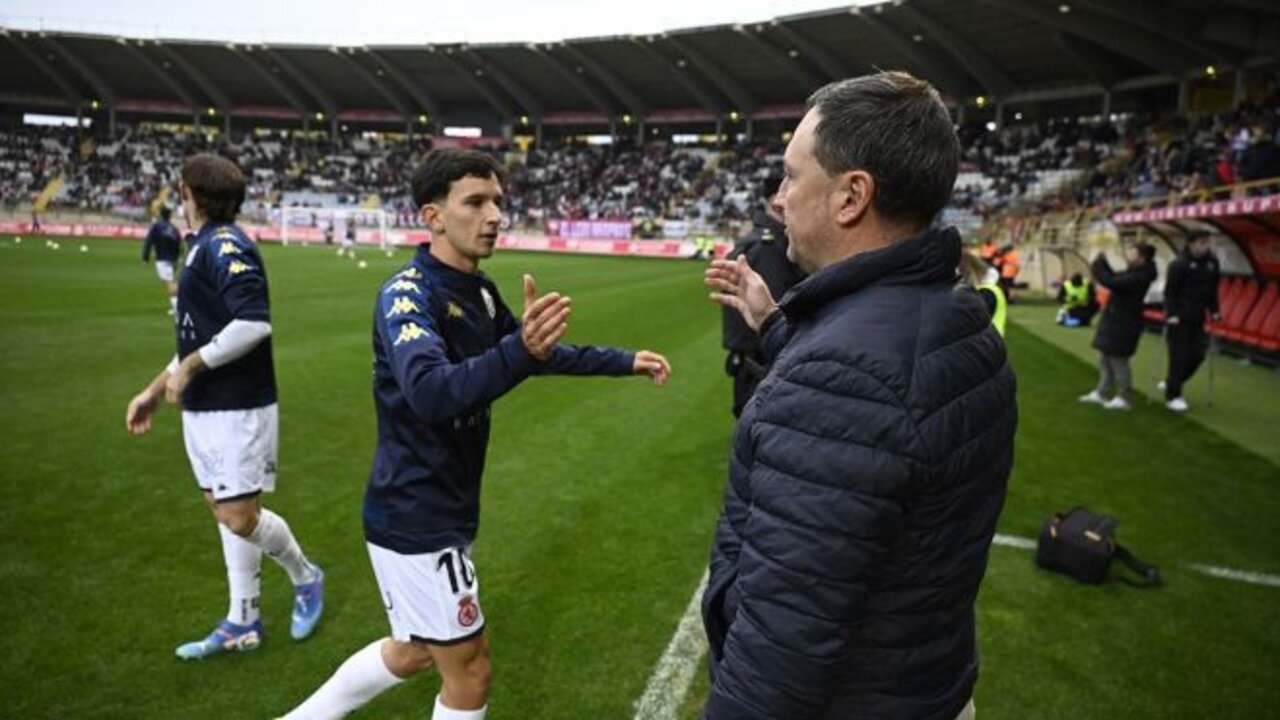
{"x":544,"y":322}
{"x":137,"y":418}
{"x":741,"y":288}
{"x":652,"y":364}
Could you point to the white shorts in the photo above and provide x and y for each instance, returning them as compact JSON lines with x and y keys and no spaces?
{"x":164,"y":269}
{"x":430,"y":597}
{"x":233,"y":452}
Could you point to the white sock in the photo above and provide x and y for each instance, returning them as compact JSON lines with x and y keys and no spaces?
{"x":244,"y":576}
{"x":360,"y":679}
{"x":173,"y":303}
{"x":443,"y":712}
{"x":275,"y":539}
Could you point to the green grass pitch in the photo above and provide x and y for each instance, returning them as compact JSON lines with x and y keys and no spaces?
{"x":598,"y":507}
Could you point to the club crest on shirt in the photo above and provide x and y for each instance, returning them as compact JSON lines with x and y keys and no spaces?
{"x":410,"y":332}
{"x":454,"y":310}
{"x":488,"y":302}
{"x":468,"y":611}
{"x":236,"y":267}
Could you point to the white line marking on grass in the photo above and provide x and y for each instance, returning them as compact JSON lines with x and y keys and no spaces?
{"x":671,"y":677}
{"x":1239,"y":575}
{"x":1014,"y":541}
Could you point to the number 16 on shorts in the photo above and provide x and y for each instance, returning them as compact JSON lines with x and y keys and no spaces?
{"x":430,"y":597}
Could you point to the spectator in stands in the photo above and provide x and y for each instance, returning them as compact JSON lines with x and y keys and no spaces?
{"x":1190,"y":291}
{"x":765,"y":250}
{"x":862,"y":497}
{"x":1079,"y":302}
{"x":1121,"y":326}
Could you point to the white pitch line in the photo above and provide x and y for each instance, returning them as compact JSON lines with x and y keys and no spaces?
{"x":1014,"y":541}
{"x":671,"y":677}
{"x":1243,"y":576}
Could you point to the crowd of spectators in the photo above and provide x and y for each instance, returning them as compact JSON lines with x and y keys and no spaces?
{"x":1050,"y":165}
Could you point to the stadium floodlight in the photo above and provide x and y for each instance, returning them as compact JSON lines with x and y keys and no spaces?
{"x":735,"y":116}
{"x":980,"y":101}
{"x":524,"y":119}
{"x":1210,"y":70}
{"x":319,"y":116}
{"x":95,"y":105}
{"x":1064,"y":8}
{"x":626,"y":119}
{"x":793,"y":53}
{"x":210,"y":111}
{"x":918,"y":37}
{"x":422,"y":119}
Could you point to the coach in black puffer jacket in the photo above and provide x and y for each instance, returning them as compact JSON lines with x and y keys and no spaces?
{"x":867,"y":473}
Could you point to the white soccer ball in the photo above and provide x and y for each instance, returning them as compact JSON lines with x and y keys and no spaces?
{"x":390,"y":254}
{"x":55,"y":246}
{"x":84,"y":248}
{"x":362,"y":264}
{"x":17,"y":240}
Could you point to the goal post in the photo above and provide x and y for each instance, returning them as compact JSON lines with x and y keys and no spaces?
{"x":322,"y":225}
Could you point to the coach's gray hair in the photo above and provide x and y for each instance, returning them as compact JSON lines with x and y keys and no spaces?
{"x":893,"y":126}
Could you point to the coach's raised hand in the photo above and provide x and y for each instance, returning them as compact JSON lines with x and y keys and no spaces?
{"x":652,"y":364}
{"x":544,"y":322}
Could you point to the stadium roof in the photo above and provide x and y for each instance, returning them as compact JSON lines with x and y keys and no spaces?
{"x":1016,"y":52}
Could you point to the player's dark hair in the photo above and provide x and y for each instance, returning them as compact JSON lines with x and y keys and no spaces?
{"x":893,"y":126}
{"x":165,"y":212}
{"x":441,"y":168}
{"x":1146,"y":252}
{"x":216,"y":184}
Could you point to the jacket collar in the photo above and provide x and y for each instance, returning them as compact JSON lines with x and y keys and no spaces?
{"x":928,"y":257}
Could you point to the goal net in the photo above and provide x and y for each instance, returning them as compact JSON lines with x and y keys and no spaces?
{"x":334,"y":226}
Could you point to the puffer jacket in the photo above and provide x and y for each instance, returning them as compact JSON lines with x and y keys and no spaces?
{"x":1121,"y":325}
{"x":865,"y":481}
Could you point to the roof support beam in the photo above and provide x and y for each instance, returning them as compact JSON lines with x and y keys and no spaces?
{"x":74,"y":99}
{"x":1128,"y":41}
{"x":1085,"y":56}
{"x":527,"y":101}
{"x":1174,"y":25}
{"x":737,"y":94}
{"x":947,"y":76}
{"x":219,"y":98}
{"x":290,"y":97}
{"x":826,"y":62}
{"x":611,"y":81}
{"x":496,"y":101}
{"x":95,"y":81}
{"x":320,"y":96}
{"x":575,"y":79}
{"x":165,"y":78}
{"x":415,"y":90}
{"x":682,"y":76}
{"x":788,"y":64}
{"x":378,"y":85}
{"x":988,"y":73}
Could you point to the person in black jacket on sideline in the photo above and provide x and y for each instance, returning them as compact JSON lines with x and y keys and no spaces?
{"x":1190,"y":291}
{"x":765,"y":249}
{"x":1121,"y":326}
{"x":869,"y":468}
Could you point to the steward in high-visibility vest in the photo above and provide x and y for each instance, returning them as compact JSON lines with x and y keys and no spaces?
{"x":1078,"y":304}
{"x":996,"y":302}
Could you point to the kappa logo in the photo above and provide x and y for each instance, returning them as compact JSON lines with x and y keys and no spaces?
{"x":227,"y":248}
{"x":403,"y":305}
{"x":410,"y":332}
{"x":412,"y":273}
{"x":404,"y":285}
{"x":454,"y":310}
{"x":236,"y":267}
{"x":468,"y":611}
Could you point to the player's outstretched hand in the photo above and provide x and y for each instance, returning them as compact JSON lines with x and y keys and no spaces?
{"x":545,"y":320}
{"x":137,"y":418}
{"x":652,"y":364}
{"x":737,"y":286}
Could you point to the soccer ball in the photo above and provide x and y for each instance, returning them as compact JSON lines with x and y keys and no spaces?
{"x":17,"y":240}
{"x":55,"y":246}
{"x":362,"y":264}
{"x":84,"y":248}
{"x":390,"y":254}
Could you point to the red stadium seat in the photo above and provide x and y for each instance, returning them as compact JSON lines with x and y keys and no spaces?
{"x":1248,"y":331}
{"x":1267,"y":335}
{"x":1236,"y":308}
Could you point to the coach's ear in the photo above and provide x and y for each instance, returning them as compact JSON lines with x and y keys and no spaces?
{"x":432,"y":218}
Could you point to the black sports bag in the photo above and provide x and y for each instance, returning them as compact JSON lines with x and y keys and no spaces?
{"x":1082,"y":544}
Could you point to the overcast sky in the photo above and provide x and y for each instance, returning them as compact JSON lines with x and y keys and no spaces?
{"x":354,"y":22}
